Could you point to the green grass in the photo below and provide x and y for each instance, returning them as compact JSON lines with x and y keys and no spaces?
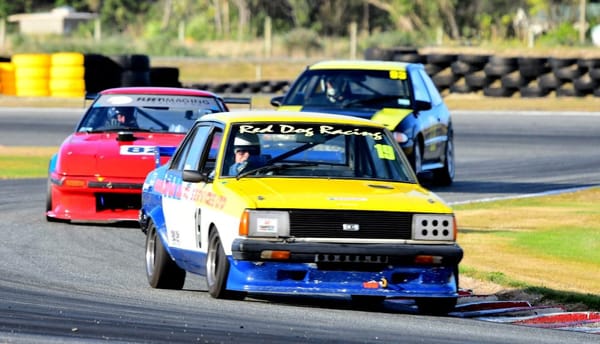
{"x":19,"y":166}
{"x":568,"y":243}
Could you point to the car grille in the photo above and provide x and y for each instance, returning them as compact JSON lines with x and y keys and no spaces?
{"x":350,"y":224}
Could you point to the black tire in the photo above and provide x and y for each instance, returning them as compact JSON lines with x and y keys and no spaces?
{"x":444,"y":80}
{"x":585,"y":84}
{"x":595,"y":73}
{"x":135,"y":78}
{"x":217,"y":270}
{"x":441,"y":59}
{"x":499,"y":91}
{"x":513,"y":80}
{"x":561,"y":62}
{"x":533,"y":91}
{"x":161,"y":270}
{"x":436,"y":306}
{"x":549,"y":81}
{"x":474,"y":60}
{"x":568,"y":73}
{"x":445,"y":175}
{"x":478,"y":80}
{"x":498,"y":70}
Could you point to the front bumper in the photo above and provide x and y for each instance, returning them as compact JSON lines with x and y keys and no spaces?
{"x":390,"y":270}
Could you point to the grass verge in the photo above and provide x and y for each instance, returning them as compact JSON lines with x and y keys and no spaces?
{"x":25,"y":162}
{"x":547,"y":246}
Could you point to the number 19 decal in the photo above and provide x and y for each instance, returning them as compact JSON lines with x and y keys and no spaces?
{"x":385,"y":152}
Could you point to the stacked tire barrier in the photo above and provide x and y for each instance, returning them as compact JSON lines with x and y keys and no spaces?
{"x":503,"y":76}
{"x":32,"y":72}
{"x":74,"y":74}
{"x":70,"y":74}
{"x":67,"y":74}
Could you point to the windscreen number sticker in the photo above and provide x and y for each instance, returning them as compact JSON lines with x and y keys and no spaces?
{"x":398,"y":74}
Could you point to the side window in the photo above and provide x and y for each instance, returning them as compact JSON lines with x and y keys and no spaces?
{"x":188,"y":156}
{"x":436,"y":98}
{"x":419,"y":87}
{"x":208,"y":164}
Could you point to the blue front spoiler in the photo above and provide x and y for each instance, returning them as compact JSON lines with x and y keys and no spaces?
{"x":306,"y":278}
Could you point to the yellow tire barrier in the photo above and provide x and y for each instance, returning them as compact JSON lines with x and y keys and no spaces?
{"x":32,"y":92}
{"x":77,"y":85}
{"x":67,"y":72}
{"x":59,"y":74}
{"x":31,"y":60}
{"x":67,"y":59}
{"x":67,"y":75}
{"x":27,"y":72}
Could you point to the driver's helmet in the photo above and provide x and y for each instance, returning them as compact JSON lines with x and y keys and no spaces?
{"x":127,"y":112}
{"x":247,"y":142}
{"x":333,"y":89}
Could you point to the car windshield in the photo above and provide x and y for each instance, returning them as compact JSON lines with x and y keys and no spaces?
{"x":313,"y":150}
{"x":350,"y":88}
{"x":154,"y":113}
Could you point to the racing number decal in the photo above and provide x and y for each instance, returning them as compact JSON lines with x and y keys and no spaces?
{"x":398,"y":74}
{"x":137,"y":150}
{"x":385,"y":152}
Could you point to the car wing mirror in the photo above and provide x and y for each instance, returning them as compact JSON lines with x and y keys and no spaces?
{"x":421,"y":105}
{"x":276,"y":101}
{"x":192,"y":176}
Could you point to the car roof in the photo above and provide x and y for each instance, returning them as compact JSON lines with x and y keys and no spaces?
{"x":287,"y":116}
{"x":158,"y":90}
{"x":361,"y":64}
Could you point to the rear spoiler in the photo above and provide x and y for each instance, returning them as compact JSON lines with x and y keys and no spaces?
{"x":228,"y":100}
{"x":238,"y":100}
{"x":161,"y":151}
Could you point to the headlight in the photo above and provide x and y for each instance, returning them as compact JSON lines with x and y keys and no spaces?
{"x":400,"y":137}
{"x":265,"y":223}
{"x":434,"y":227}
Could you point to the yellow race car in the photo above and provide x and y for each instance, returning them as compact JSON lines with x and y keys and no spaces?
{"x":298,"y":203}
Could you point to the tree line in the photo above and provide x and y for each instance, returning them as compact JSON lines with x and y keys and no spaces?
{"x":407,"y":21}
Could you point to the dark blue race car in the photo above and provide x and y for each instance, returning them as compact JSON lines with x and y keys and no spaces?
{"x":399,"y":95}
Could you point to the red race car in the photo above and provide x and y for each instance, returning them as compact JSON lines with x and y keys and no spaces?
{"x":98,"y":171}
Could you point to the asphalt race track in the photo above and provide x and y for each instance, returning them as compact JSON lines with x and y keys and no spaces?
{"x":62,"y":283}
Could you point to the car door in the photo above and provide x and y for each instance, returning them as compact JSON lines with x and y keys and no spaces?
{"x":182,"y":211}
{"x":430,"y":122}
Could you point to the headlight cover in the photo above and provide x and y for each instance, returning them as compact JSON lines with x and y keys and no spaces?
{"x":268,"y":223}
{"x":434,"y":227}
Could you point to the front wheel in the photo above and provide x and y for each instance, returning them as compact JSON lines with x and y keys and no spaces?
{"x":161,"y":270}
{"x":217,"y":270}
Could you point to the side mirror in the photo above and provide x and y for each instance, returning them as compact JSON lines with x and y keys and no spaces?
{"x":192,"y":176}
{"x":276,"y":101}
{"x":421,"y":105}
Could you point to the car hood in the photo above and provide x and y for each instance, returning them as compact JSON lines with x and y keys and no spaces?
{"x":390,"y":118}
{"x":103,"y":154}
{"x":273,"y":193}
